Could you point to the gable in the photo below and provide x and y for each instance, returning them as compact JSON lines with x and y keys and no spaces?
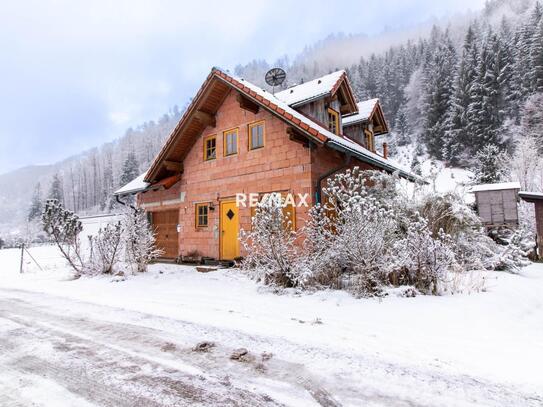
{"x":329,"y":86}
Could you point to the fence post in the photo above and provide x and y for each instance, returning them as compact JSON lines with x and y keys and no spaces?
{"x":22,"y":256}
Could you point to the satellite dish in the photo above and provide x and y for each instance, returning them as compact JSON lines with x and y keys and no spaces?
{"x":275,"y":77}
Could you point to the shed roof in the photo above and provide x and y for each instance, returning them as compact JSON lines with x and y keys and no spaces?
{"x":495,"y":187}
{"x":531,"y":196}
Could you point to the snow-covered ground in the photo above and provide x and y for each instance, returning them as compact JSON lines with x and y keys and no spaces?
{"x":328,"y":348}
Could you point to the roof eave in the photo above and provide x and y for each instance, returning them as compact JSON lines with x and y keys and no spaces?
{"x":370,"y":160}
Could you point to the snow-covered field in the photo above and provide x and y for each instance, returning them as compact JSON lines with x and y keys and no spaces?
{"x":328,"y":348}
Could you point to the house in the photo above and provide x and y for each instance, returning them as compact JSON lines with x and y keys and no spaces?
{"x":236,"y":139}
{"x":497,"y":203}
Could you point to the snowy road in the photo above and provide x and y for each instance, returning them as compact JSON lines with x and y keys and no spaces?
{"x":48,"y":351}
{"x":63,"y":352}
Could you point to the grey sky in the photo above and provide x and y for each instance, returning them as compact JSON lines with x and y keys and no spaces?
{"x":76,"y":74}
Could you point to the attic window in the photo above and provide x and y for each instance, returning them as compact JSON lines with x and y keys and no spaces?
{"x":210,"y":148}
{"x":333,"y":121}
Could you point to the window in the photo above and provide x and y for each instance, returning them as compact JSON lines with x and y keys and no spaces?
{"x":231,"y":142}
{"x":333,"y":121}
{"x":210,"y":148}
{"x":202,"y":211}
{"x":369,"y":140}
{"x":256,"y":135}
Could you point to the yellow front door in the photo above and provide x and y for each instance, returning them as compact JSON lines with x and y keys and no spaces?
{"x":229,"y":243}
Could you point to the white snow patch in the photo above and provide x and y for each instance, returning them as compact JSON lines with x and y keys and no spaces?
{"x":298,"y":94}
{"x":365,"y":109}
{"x":136,"y":185}
{"x":495,"y":187}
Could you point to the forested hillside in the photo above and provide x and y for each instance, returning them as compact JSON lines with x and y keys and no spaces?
{"x":464,"y":86}
{"x":84,"y":183}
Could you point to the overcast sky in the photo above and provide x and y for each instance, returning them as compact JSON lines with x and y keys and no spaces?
{"x":76,"y":74}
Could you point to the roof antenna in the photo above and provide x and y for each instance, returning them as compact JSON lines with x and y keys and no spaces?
{"x":275,"y":77}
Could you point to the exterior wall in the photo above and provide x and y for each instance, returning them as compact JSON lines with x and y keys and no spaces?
{"x":281,"y":165}
{"x":318,"y":111}
{"x":356,"y":133}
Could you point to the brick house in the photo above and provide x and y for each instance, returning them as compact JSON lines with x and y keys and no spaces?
{"x":237,"y":138}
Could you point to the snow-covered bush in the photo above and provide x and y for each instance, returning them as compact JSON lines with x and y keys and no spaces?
{"x":270,"y":245}
{"x":424,"y":261}
{"x":138,"y":240}
{"x":106,"y":249}
{"x":371,"y":232}
{"x":63,"y":227}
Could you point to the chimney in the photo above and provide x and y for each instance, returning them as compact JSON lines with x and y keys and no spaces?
{"x":385,"y":150}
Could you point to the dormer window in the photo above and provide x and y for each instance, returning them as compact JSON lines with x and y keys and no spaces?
{"x":333,"y":121}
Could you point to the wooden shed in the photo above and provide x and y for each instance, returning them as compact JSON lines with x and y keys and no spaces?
{"x":497,"y":203}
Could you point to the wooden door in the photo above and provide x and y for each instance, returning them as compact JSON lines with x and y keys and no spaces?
{"x":229,"y":230}
{"x":165,"y":226}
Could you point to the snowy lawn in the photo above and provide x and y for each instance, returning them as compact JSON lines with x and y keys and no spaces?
{"x":451,"y":350}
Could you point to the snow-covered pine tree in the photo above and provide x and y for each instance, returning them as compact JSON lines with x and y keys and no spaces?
{"x":532,"y":119}
{"x":489,"y":165}
{"x":438,"y":90}
{"x":56,"y":190}
{"x":36,"y":205}
{"x":457,"y":135}
{"x":536,"y":59}
{"x":130,"y":169}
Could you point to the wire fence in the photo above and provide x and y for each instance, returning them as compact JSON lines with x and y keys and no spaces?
{"x":47,"y":257}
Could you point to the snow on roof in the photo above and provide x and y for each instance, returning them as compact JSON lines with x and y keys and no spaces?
{"x":528,"y":194}
{"x":136,"y":185}
{"x":365,"y":109}
{"x":344,"y":142}
{"x":308,"y":91}
{"x":496,"y":187}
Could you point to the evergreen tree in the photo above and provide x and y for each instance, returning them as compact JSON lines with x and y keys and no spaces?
{"x":532,"y":119}
{"x":130,"y":169}
{"x":457,"y":134}
{"x":488,"y":165}
{"x":438,"y":84}
{"x":56,"y":191}
{"x":36,"y":205}
{"x":536,"y":59}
